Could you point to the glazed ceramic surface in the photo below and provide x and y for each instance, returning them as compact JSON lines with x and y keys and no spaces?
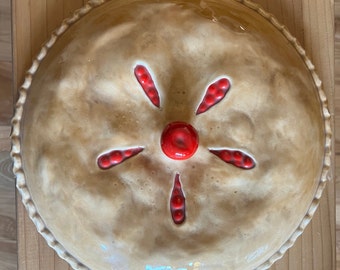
{"x":171,"y":135}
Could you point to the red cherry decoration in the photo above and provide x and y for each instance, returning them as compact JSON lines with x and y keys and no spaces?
{"x":179,"y":140}
{"x":145,"y":80}
{"x":177,"y":202}
{"x":214,"y":94}
{"x":116,"y":157}
{"x":237,"y":158}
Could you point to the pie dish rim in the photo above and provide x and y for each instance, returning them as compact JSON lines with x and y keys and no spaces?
{"x":16,"y":143}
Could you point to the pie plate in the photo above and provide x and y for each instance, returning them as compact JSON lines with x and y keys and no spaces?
{"x":171,"y":135}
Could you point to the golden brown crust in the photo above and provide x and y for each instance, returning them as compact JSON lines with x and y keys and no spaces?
{"x":272,"y":91}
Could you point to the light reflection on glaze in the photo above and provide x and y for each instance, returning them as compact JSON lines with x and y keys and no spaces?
{"x":191,"y":266}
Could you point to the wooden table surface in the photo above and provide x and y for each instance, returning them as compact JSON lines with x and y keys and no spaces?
{"x":310,"y":21}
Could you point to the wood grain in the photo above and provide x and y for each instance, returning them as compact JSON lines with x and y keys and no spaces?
{"x":8,"y":237}
{"x":5,"y":144}
{"x":5,"y":31}
{"x":6,"y":92}
{"x":337,"y":125}
{"x":309,"y":20}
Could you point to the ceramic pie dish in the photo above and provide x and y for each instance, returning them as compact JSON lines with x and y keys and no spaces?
{"x":171,"y":135}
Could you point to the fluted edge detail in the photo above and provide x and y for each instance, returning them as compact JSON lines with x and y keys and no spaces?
{"x":16,"y":143}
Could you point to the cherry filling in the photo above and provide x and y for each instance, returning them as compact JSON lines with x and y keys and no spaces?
{"x":214,"y":94}
{"x":145,"y":80}
{"x":179,"y":140}
{"x":116,"y":157}
{"x":177,"y":202}
{"x":235,"y":157}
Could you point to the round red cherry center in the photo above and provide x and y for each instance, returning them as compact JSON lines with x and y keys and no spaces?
{"x":179,"y":140}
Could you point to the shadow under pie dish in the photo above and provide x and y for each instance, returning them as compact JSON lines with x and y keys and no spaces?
{"x":171,"y":135}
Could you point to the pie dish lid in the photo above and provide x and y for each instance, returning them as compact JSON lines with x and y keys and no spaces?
{"x":17,"y":144}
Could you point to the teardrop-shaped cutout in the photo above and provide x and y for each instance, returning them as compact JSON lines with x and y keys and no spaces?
{"x":117,"y":156}
{"x":237,"y":158}
{"x":177,"y":202}
{"x":214,"y":94}
{"x":144,"y":78}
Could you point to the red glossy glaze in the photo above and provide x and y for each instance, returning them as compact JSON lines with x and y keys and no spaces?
{"x":235,"y":157}
{"x":116,"y":157}
{"x":177,"y":202}
{"x":179,"y":140}
{"x":214,"y":94}
{"x":145,"y":80}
